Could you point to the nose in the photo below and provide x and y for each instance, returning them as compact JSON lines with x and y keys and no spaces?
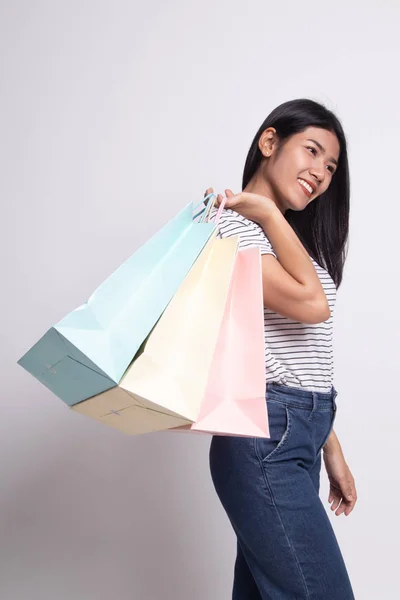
{"x":318,"y":172}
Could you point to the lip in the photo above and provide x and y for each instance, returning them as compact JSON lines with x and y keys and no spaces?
{"x":307,"y":193}
{"x":314,"y":187}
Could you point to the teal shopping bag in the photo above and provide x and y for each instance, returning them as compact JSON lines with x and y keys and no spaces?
{"x":88,"y":351}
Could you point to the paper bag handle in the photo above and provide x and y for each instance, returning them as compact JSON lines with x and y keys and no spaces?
{"x":203,"y":210}
{"x":209,"y":208}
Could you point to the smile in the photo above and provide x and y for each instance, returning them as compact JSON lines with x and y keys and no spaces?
{"x":307,"y":189}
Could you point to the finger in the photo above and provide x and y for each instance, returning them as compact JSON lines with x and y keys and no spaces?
{"x":229,"y":193}
{"x":349,"y":492}
{"x":351,"y":499}
{"x":337,"y":496}
{"x":349,"y":509}
{"x":207,"y":192}
{"x":335,"y":504}
{"x":218,"y":200}
{"x":346,"y":507}
{"x":348,"y":501}
{"x":341,"y":508}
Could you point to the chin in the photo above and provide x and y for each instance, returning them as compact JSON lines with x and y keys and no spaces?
{"x":297,"y":205}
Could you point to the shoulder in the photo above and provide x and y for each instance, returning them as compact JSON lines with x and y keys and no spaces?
{"x":230,"y":219}
{"x":250,"y":233}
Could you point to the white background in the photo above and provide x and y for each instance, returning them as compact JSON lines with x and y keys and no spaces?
{"x":113,"y":116}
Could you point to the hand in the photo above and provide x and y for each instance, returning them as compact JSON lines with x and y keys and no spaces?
{"x":252,"y":206}
{"x":342,"y":488}
{"x":208,"y":191}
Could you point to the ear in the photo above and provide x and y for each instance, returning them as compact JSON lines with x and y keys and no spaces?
{"x":267,"y":141}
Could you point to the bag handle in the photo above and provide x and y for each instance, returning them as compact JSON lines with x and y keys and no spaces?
{"x":202,"y":202}
{"x":209,"y":208}
{"x":219,"y":213}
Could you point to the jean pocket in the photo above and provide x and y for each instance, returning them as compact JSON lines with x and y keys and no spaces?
{"x":331,"y":424}
{"x":280,"y":422}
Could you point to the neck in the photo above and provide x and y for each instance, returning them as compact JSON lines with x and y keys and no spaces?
{"x":258,"y":185}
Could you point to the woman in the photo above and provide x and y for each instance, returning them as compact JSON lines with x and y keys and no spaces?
{"x":295,"y":207}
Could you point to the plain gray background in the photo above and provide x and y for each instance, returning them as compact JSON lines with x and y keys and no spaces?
{"x":113,"y":116}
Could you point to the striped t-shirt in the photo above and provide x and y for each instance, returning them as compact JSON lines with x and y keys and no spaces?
{"x":296,"y":354}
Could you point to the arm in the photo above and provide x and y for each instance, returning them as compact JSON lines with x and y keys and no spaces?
{"x":291,"y":285}
{"x":332,"y":444}
{"x":342,"y":489}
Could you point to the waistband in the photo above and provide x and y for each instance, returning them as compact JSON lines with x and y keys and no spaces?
{"x":306,"y":398}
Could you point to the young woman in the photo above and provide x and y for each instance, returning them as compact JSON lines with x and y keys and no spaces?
{"x":295,"y":207}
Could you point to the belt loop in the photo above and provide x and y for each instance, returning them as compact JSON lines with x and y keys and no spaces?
{"x":314,"y":400}
{"x":314,"y":404}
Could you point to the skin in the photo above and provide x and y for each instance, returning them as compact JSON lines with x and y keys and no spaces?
{"x":275,"y":187}
{"x":298,"y":157}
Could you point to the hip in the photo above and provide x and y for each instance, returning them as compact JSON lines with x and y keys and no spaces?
{"x":300,"y":422}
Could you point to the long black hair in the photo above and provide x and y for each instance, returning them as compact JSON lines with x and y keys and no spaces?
{"x":323,"y":226}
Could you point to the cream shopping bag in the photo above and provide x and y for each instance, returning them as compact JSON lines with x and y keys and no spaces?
{"x":234,"y":402}
{"x":165,"y":384}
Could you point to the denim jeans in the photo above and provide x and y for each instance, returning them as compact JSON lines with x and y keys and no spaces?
{"x":269,"y":488}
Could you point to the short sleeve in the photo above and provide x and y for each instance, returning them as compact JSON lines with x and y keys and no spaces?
{"x":250,"y":233}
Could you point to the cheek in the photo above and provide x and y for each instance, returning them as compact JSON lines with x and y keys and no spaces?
{"x":327,"y":182}
{"x":325,"y":186}
{"x":284,"y":174}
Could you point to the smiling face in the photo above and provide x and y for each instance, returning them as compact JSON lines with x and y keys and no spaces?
{"x":299,"y":171}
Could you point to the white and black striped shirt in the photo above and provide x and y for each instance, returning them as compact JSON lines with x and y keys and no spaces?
{"x":296,"y":354}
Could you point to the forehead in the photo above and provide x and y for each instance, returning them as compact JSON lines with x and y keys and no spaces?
{"x":326,"y":138}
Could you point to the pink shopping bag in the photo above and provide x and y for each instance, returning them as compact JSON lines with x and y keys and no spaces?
{"x":234,"y":402}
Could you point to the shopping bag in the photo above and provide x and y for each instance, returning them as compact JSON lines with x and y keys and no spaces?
{"x":165,"y":384}
{"x":89,"y":350}
{"x":234,"y":402}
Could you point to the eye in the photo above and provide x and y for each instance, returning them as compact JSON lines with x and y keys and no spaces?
{"x":332,"y":170}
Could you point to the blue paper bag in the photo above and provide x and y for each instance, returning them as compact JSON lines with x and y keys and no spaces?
{"x":88,"y":351}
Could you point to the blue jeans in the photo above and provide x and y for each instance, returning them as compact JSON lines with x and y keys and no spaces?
{"x":269,"y":488}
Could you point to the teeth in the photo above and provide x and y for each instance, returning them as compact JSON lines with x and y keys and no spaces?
{"x":306,"y":185}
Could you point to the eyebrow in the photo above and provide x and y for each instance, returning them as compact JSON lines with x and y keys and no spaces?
{"x":322,"y":150}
